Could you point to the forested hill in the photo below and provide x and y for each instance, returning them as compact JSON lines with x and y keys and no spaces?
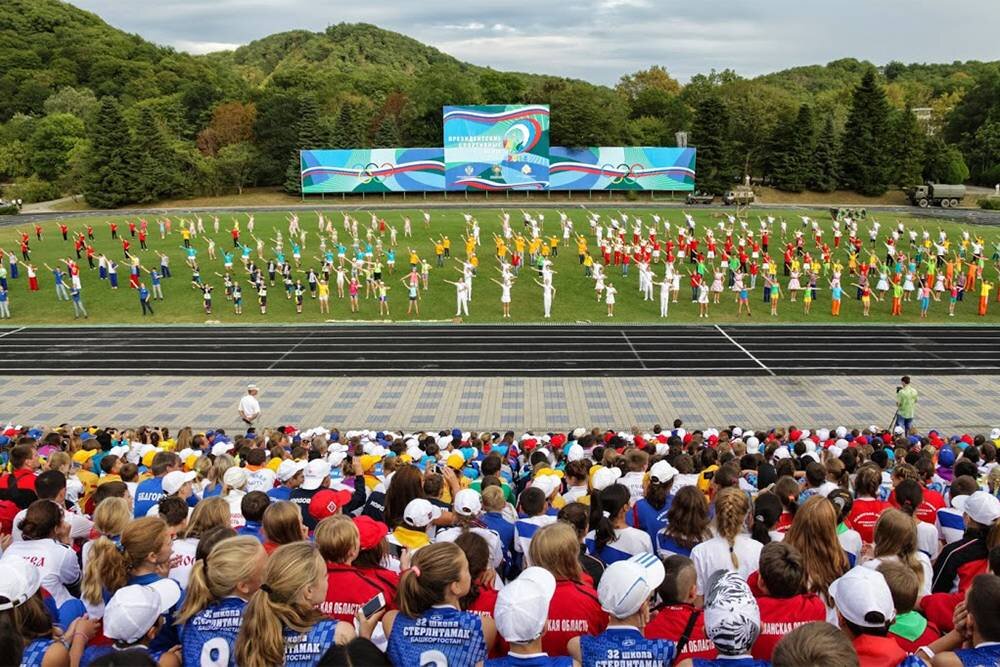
{"x":185,"y":124}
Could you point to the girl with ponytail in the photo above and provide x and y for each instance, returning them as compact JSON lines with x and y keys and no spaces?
{"x":613,"y":539}
{"x":110,"y":519}
{"x":850,"y":539}
{"x":141,"y":556}
{"x":217,"y":593}
{"x":766,"y":511}
{"x":731,"y":548}
{"x":909,"y":497}
{"x":430,"y":621}
{"x":281,"y":623}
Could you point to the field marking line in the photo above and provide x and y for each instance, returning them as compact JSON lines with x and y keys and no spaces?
{"x":12,"y":331}
{"x":745,"y":351}
{"x":632,"y":347}
{"x":290,"y":350}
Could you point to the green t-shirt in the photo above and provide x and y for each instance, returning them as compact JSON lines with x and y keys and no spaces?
{"x":508,"y":493}
{"x":906,"y":401}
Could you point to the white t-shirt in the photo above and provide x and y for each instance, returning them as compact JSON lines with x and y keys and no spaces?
{"x":491,"y":537}
{"x":249,"y":406}
{"x":850,"y":541}
{"x":261,"y":480}
{"x":182,"y":559}
{"x":925,"y":564}
{"x":574,"y":493}
{"x":55,"y":561}
{"x":525,"y":529}
{"x":79,"y":526}
{"x":235,"y":500}
{"x":928,"y":540}
{"x":682,"y":480}
{"x":633,"y":482}
{"x":713,"y":554}
{"x":628,"y":542}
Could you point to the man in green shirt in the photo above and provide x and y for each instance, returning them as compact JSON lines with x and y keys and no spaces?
{"x":906,"y":402}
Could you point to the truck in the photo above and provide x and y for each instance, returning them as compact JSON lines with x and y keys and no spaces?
{"x":700,"y":198}
{"x":937,"y":194}
{"x":741,"y":196}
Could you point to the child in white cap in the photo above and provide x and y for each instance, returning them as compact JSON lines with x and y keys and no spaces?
{"x":624,"y":592}
{"x":134,"y":615}
{"x":865,"y":609}
{"x":521,"y":613}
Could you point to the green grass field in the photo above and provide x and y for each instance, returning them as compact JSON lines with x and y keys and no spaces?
{"x":574,"y":302}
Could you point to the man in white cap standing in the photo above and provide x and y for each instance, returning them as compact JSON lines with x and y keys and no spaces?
{"x":624,"y":592}
{"x":249,"y":407}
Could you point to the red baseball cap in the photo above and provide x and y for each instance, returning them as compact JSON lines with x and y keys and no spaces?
{"x":372,"y":532}
{"x":326,"y":503}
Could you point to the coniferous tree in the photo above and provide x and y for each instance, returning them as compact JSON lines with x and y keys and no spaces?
{"x":308,"y":136}
{"x":109,"y":166}
{"x":710,"y":136}
{"x":387,"y":134}
{"x":154,"y":175}
{"x":906,"y":149}
{"x":823,"y":174}
{"x":792,"y":145}
{"x":864,"y":158}
{"x":344,"y":134}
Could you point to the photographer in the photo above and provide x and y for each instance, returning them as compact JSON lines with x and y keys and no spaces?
{"x":906,"y":403}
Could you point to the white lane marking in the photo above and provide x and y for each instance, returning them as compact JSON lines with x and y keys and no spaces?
{"x":632,"y":347}
{"x":745,"y":351}
{"x":12,"y":331}
{"x":290,"y":350}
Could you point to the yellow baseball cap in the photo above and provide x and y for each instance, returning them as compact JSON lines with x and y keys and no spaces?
{"x":84,"y":455}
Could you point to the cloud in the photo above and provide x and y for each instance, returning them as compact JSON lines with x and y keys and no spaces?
{"x":600,"y":40}
{"x":201,"y":48}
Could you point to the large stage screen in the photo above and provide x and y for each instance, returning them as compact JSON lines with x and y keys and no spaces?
{"x":622,"y":168}
{"x":372,"y":170}
{"x":496,"y":147}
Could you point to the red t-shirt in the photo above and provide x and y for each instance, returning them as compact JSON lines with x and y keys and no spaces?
{"x":24,"y":479}
{"x":939,"y":608}
{"x":670,"y":622}
{"x":779,"y":616}
{"x":864,"y":514}
{"x":927,"y":511}
{"x":484,"y":605}
{"x":878,"y":651}
{"x":574,"y":611}
{"x":349,"y":589}
{"x":784,"y":522}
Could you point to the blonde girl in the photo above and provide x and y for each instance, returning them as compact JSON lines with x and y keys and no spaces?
{"x":732,"y":548}
{"x":281,"y":624}
{"x":208,"y":514}
{"x":141,"y":556}
{"x":110,"y":519}
{"x":218,"y":590}
{"x":896,"y":540}
{"x":814,"y":534}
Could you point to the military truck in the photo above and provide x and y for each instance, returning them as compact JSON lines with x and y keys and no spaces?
{"x":695,"y":198}
{"x":740,"y":196}
{"x":936,"y":194}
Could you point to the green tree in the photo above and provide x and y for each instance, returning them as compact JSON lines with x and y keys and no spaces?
{"x":276,"y":130}
{"x":235,"y":165}
{"x":823,"y":175}
{"x":586,"y":115}
{"x":864,"y":158}
{"x":345,"y":132}
{"x":791,"y":160}
{"x":501,"y":87}
{"x":308,"y":137}
{"x":944,"y":162}
{"x":109,"y":167}
{"x":155,"y":172}
{"x":906,"y":148}
{"x":387,"y":134}
{"x":81,"y":102}
{"x":51,"y":143}
{"x":710,"y":135}
{"x":984,"y":156}
{"x":14,"y":159}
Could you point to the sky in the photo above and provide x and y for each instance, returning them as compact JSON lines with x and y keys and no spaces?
{"x":600,"y":40}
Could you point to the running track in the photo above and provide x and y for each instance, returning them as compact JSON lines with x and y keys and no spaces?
{"x":501,"y":350}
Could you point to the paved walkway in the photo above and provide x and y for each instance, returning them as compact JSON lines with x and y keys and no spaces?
{"x":518,"y":403}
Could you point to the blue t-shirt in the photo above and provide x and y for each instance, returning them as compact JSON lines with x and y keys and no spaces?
{"x":209,"y":637}
{"x":147,"y":494}
{"x":984,"y":656}
{"x":280,"y":493}
{"x":253,"y":529}
{"x":305,"y":650}
{"x":666,"y":546}
{"x":625,"y":647}
{"x":532,"y":660}
{"x":650,"y":519}
{"x":34,"y":652}
{"x":732,"y":662}
{"x":442,"y":636}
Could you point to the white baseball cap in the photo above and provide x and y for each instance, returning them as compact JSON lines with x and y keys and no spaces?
{"x":18,"y":582}
{"x":753,"y":445}
{"x":173,"y":481}
{"x":133,"y":610}
{"x":604,"y":478}
{"x":316,"y":471}
{"x":522,"y":606}
{"x":549,"y":484}
{"x":662,"y":472}
{"x":420,"y":512}
{"x":289,"y":469}
{"x":627,"y":584}
{"x":574,"y":453}
{"x":235,"y":478}
{"x":220,"y":448}
{"x":863,"y":598}
{"x":468,"y":503}
{"x":982,"y":507}
{"x":251,"y":387}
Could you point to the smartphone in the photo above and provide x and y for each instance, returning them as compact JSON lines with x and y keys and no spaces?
{"x":395,"y":550}
{"x":373,"y":606}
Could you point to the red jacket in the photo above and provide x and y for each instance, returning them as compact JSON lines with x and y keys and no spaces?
{"x":779,"y":616}
{"x":574,"y":611}
{"x":671,"y":621}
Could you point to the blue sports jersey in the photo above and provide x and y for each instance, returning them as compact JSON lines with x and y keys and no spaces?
{"x":731,"y":662}
{"x":532,"y":660}
{"x":209,"y":637}
{"x":983,"y":656}
{"x":625,"y":646}
{"x":305,"y":650}
{"x":34,"y":652}
{"x":147,"y":494}
{"x":280,"y":493}
{"x":666,"y":546}
{"x":645,"y":517}
{"x":442,"y":636}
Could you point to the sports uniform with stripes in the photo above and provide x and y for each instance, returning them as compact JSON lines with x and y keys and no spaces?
{"x":443,"y":635}
{"x":624,"y":646}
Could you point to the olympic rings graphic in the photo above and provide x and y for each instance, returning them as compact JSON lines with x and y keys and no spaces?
{"x":628,"y":178}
